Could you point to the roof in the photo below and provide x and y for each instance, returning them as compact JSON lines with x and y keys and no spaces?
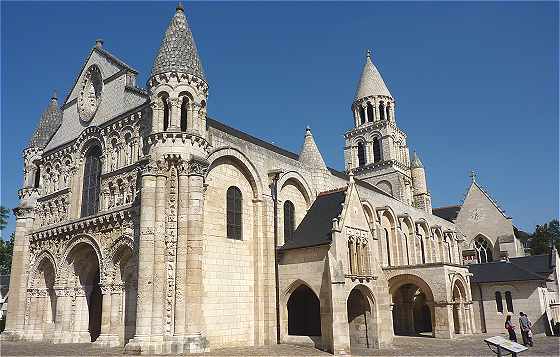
{"x":247,"y":137}
{"x":448,"y":213}
{"x":48,"y":125}
{"x":538,"y":264}
{"x":315,"y":228}
{"x":416,"y":163}
{"x":516,"y":269}
{"x":371,"y":83}
{"x":310,"y":154}
{"x":177,"y":52}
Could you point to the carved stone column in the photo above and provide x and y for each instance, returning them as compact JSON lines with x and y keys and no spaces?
{"x":175,"y":117}
{"x":19,"y":275}
{"x":159,"y":256}
{"x":182,"y":232}
{"x":106,"y":337}
{"x":61,"y":306}
{"x":117,"y":310}
{"x":81,"y":317}
{"x":193,"y":294}
{"x":145,"y":259}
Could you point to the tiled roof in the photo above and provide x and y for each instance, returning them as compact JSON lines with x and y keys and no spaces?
{"x":177,"y":52}
{"x":315,"y":228}
{"x":449,"y":213}
{"x":48,"y":125}
{"x":371,"y":83}
{"x":416,"y":163}
{"x":538,"y":264}
{"x":516,"y":269}
{"x":310,"y":154}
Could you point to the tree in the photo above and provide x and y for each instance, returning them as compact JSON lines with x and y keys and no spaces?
{"x":4,"y":215}
{"x":544,"y":236}
{"x":6,"y":251}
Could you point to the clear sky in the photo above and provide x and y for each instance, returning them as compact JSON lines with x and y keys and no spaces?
{"x":476,"y":84}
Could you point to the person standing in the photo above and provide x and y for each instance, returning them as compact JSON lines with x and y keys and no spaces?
{"x":525,"y":325}
{"x":510,"y":327}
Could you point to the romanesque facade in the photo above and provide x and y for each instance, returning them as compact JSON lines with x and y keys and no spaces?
{"x":145,"y":223}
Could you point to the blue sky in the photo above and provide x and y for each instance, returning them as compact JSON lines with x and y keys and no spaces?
{"x":476,"y":84}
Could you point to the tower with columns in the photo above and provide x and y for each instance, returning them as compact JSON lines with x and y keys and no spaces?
{"x":375,"y":149}
{"x":170,"y":246}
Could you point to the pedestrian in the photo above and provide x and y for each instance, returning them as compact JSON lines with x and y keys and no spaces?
{"x":510,"y":329}
{"x":525,"y":325}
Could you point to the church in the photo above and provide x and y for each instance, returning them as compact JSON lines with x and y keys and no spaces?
{"x":144,"y":223}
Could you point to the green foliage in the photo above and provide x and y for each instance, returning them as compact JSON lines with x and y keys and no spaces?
{"x":544,"y":235}
{"x":6,"y":251}
{"x":4,"y":215}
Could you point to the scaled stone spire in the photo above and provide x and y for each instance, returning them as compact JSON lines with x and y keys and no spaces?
{"x":48,"y":124}
{"x":371,"y":83}
{"x":416,"y":163}
{"x":177,"y":52}
{"x":309,"y":154}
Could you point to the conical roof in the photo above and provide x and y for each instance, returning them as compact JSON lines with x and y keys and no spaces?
{"x":48,"y":124}
{"x":177,"y":52}
{"x":371,"y":83}
{"x":416,"y":163}
{"x":309,"y":154}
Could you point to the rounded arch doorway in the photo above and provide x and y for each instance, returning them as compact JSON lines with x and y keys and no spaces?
{"x":413,"y":306}
{"x":361,"y":319}
{"x":304,"y":313}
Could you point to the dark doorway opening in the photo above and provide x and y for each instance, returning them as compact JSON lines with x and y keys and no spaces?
{"x":304,"y":314}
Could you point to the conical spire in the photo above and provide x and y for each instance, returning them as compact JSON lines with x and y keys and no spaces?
{"x":371,"y":83}
{"x":309,"y":154}
{"x":48,"y":124}
{"x":177,"y":52}
{"x":416,"y":163}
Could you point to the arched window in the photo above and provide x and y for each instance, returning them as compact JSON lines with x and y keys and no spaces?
{"x":370,"y":112}
{"x":91,"y":187}
{"x":388,"y":246}
{"x":234,"y":216}
{"x":422,"y":249}
{"x":184,"y":113}
{"x":483,"y":250}
{"x":361,"y":154}
{"x":362,"y":115}
{"x":499,"y":304}
{"x":165,"y":101}
{"x":388,"y":109}
{"x":381,"y":111}
{"x":376,"y":150}
{"x":37,"y":178}
{"x":509,"y":302}
{"x":289,"y":221}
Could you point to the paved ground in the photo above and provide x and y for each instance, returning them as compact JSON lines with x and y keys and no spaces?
{"x":403,"y":346}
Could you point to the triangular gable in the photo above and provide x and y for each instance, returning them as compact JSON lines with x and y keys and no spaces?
{"x":353,"y":214}
{"x":475,"y":192}
{"x":107,"y":62}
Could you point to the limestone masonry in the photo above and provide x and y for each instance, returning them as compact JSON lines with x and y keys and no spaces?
{"x":145,"y":223}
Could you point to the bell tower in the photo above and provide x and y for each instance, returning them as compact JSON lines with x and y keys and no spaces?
{"x":170,"y":286}
{"x":375,"y":148}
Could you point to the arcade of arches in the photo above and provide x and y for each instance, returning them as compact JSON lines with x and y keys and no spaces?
{"x":80,"y":298}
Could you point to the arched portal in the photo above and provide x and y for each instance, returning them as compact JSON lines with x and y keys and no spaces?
{"x":123,"y":297}
{"x":84,"y":279}
{"x":304,"y":315}
{"x":42,"y":298}
{"x":459,"y":313}
{"x":413,"y":306}
{"x":361,"y":323}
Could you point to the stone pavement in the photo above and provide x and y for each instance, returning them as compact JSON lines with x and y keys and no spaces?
{"x":403,"y":346}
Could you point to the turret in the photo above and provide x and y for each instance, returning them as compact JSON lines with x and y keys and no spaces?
{"x":311,"y":158}
{"x":178,"y":92}
{"x":376,"y":150}
{"x":422,"y":197}
{"x":48,"y":124}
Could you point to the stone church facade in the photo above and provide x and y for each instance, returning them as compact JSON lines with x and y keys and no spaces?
{"x":145,"y":223}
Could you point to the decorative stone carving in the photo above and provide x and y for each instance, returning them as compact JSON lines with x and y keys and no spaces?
{"x":90,"y":93}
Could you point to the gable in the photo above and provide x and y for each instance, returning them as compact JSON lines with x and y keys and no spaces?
{"x":118,"y":96}
{"x":480,"y":215}
{"x":353,"y":214}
